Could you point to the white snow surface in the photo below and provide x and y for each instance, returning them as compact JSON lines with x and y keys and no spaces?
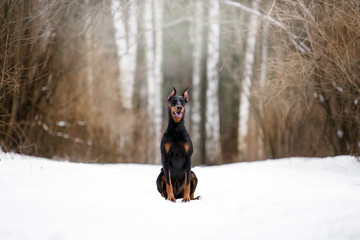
{"x":294,"y":198}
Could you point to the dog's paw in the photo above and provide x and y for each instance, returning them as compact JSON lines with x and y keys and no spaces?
{"x":171,"y":198}
{"x":186,"y":199}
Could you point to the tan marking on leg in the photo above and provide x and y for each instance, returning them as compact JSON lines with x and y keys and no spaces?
{"x":186,"y":197}
{"x":193,"y":183}
{"x":170,"y":191}
{"x":163,"y":186}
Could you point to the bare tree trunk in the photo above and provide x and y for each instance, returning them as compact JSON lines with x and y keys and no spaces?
{"x":246,"y":83}
{"x":264,"y":54}
{"x":89,"y":57}
{"x":158,"y":21}
{"x":263,"y":65}
{"x":126,"y":40}
{"x":196,"y":80}
{"x":153,"y":53}
{"x":150,"y":74}
{"x":212,"y":124}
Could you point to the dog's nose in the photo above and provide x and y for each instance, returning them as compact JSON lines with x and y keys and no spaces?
{"x":179,"y":107}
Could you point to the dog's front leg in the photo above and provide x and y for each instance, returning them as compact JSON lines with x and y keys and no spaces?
{"x":169,"y":187}
{"x":186,"y":197}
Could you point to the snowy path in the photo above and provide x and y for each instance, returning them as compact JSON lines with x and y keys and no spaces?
{"x":295,"y":198}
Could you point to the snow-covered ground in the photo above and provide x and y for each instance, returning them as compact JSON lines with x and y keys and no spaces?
{"x":295,"y":198}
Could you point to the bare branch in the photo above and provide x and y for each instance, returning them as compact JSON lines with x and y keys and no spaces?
{"x":300,"y":45}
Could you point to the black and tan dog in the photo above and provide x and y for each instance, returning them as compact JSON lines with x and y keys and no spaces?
{"x":176,"y":180}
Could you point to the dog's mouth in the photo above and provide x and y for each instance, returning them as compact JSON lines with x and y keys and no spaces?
{"x":178,"y":114}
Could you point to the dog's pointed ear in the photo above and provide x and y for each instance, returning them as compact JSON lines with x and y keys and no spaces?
{"x":186,"y":94}
{"x":172,"y":93}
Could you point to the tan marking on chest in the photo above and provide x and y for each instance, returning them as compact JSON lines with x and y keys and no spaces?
{"x":167,"y":146}
{"x":186,"y":146}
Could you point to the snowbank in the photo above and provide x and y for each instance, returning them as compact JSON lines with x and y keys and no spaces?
{"x":295,"y":198}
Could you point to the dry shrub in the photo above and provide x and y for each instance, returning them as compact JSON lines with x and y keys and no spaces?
{"x":311,"y":100}
{"x":26,"y":54}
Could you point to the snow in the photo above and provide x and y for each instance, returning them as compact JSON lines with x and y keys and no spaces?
{"x":294,"y":198}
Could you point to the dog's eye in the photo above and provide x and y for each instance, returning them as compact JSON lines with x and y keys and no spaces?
{"x":174,"y":101}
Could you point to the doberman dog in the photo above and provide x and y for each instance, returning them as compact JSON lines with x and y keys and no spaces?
{"x":176,"y":180}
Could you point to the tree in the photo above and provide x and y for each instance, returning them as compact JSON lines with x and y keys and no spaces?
{"x":262,"y":81}
{"x":212,"y":125}
{"x":196,"y":79}
{"x":126,"y":30}
{"x":246,"y":83}
{"x":89,"y":57}
{"x":158,"y":73}
{"x":153,"y":53}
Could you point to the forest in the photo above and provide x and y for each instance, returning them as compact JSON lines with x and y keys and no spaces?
{"x":88,"y":80}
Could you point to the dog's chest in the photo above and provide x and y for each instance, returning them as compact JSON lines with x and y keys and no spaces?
{"x":176,"y":154}
{"x":176,"y":149}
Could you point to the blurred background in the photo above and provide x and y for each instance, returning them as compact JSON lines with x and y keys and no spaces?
{"x":88,"y":80}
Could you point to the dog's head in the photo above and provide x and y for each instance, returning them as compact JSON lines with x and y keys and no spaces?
{"x":177,"y":104}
